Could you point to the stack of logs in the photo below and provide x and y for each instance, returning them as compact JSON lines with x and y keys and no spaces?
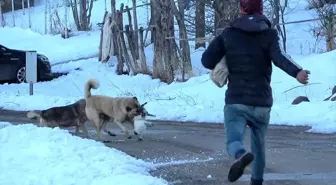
{"x":169,"y":60}
{"x":136,"y":62}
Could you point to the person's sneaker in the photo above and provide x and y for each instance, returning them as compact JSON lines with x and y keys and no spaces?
{"x":238,"y":167}
{"x":256,"y":182}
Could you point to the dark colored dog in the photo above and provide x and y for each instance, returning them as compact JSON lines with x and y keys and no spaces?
{"x":72,"y":115}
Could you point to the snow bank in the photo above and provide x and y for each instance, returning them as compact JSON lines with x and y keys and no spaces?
{"x":55,"y":47}
{"x":197,"y":100}
{"x":47,"y":156}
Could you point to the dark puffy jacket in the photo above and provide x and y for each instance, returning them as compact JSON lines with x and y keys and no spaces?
{"x":249,"y":45}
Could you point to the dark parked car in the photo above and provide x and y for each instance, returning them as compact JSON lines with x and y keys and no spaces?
{"x":13,"y":65}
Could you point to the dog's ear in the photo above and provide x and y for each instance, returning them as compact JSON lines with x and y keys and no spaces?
{"x":128,"y":109}
{"x":135,"y":98}
{"x":143,"y":104}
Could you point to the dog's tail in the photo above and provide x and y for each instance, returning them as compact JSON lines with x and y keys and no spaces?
{"x":33,"y":114}
{"x":91,"y":83}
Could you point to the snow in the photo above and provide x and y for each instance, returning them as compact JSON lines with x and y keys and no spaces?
{"x":84,"y":46}
{"x":300,"y":40}
{"x":48,"y":156}
{"x":66,"y":159}
{"x":197,"y":100}
{"x":55,"y":47}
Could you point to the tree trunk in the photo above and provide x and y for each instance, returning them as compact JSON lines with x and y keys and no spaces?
{"x":162,"y":67}
{"x":131,"y":41}
{"x":23,"y":7}
{"x":135,"y":33}
{"x":2,"y":18}
{"x":200,"y":24}
{"x":331,"y":45}
{"x":185,"y":48}
{"x":123,"y":48}
{"x":142,"y":55}
{"x":114,"y":19}
{"x":13,"y":13}
{"x":218,"y":6}
{"x":284,"y":35}
{"x":82,"y":14}
{"x":170,"y":44}
{"x":116,"y":32}
{"x":275,"y":13}
{"x":46,"y":17}
{"x":170,"y":54}
{"x":182,"y":4}
{"x":75,"y":14}
{"x":130,"y":38}
{"x":101,"y":38}
{"x":88,"y":14}
{"x":225,"y":12}
{"x":152,"y":22}
{"x":83,"y":17}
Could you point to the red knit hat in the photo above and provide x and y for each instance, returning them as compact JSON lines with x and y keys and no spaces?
{"x":251,"y":6}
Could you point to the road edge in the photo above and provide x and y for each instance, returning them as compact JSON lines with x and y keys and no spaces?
{"x":21,"y":116}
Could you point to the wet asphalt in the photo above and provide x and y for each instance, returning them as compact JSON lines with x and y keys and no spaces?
{"x":195,"y":154}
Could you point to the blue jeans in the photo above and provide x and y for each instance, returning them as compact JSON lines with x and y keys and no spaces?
{"x":236,"y":118}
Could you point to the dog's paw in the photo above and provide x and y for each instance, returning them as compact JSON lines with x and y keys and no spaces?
{"x":140,"y":139}
{"x":135,"y":133}
{"x":129,"y":137}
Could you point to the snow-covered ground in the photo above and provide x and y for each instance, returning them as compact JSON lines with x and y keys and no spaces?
{"x":45,"y":156}
{"x":31,"y":150}
{"x":197,"y":100}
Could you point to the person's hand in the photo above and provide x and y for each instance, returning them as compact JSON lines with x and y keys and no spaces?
{"x":302,"y":76}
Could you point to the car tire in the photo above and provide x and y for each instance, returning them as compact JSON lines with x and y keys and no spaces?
{"x":23,"y":69}
{"x":20,"y":75}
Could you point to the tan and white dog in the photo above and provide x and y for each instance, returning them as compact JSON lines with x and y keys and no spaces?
{"x":120,"y":110}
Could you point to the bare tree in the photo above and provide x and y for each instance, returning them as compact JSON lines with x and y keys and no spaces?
{"x":23,"y":7}
{"x":83,"y":16}
{"x":13,"y":12}
{"x":218,"y":13}
{"x":2,"y":18}
{"x":46,"y":5}
{"x":325,"y":10}
{"x":278,"y":19}
{"x":29,"y":16}
{"x":190,"y":16}
{"x":200,"y":23}
{"x":225,"y":12}
{"x":184,"y":44}
{"x":164,"y":56}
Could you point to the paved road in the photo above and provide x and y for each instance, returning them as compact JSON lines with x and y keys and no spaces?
{"x":193,"y":154}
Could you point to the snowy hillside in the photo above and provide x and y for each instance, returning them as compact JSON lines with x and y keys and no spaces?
{"x":196,"y":100}
{"x":31,"y":150}
{"x":300,"y":39}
